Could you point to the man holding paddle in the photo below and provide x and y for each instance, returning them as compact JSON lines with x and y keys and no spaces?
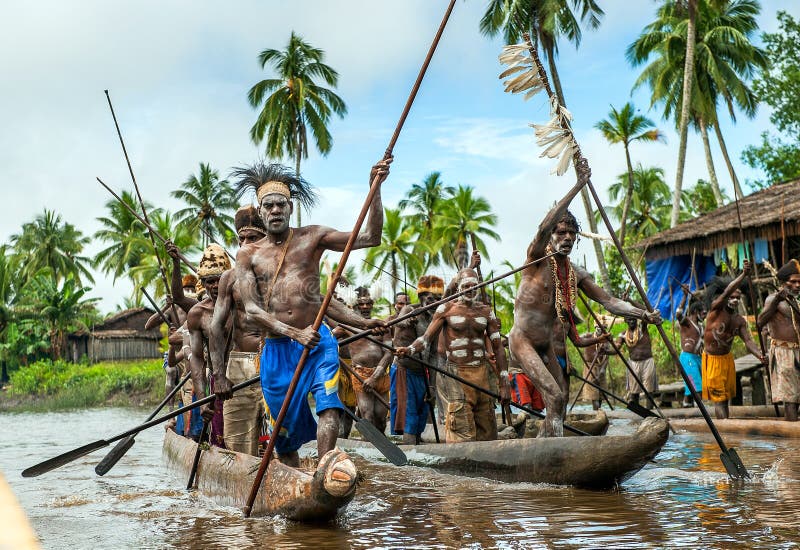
{"x":278,"y":279}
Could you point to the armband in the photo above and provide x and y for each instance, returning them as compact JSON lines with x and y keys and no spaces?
{"x":494,"y":336}
{"x":411,"y":350}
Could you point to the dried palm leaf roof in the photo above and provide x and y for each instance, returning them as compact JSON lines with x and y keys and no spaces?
{"x":763,"y":213}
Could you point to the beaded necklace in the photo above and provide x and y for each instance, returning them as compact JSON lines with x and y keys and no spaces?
{"x":566,"y":286}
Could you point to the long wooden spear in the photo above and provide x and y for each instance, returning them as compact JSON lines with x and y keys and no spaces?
{"x":158,"y":235}
{"x":161,"y":269}
{"x":374,"y":186}
{"x":536,"y":80}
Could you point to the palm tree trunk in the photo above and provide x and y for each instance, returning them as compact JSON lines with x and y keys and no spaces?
{"x":395,"y":275}
{"x":297,"y":172}
{"x":628,"y":194}
{"x":712,"y":172}
{"x":737,"y":189}
{"x":688,"y":73}
{"x":587,"y":204}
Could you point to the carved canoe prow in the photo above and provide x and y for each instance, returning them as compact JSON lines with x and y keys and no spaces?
{"x":226,"y":477}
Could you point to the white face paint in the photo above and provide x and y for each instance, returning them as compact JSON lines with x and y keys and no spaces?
{"x":459,"y":353}
{"x":459,"y":342}
{"x":480,"y":320}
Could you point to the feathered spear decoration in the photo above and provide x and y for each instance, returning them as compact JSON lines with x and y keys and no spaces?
{"x":525,"y":75}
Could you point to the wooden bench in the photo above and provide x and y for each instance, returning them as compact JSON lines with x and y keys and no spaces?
{"x":750,"y":385}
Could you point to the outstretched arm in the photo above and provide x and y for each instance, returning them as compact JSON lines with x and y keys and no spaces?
{"x":340,"y":313}
{"x":537,"y":247}
{"x":612,"y":304}
{"x":370,"y":234}
{"x":425,"y":340}
{"x":178,"y":297}
{"x":680,"y":311}
{"x":722,"y":299}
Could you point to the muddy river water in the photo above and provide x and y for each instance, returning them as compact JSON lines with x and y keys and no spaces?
{"x":684,"y":499}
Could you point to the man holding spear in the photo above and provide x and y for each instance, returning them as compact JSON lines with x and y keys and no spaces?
{"x":546,"y":295}
{"x":278,"y":279}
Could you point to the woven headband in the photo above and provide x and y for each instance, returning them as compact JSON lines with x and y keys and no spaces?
{"x":273,"y":187}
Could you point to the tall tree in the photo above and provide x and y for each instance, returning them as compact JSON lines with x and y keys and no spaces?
{"x":396,"y":253}
{"x":125,"y":236}
{"x":688,"y":73}
{"x":778,"y":85}
{"x":625,"y":126}
{"x":723,"y":60}
{"x":210,"y":201}
{"x":424,"y":200}
{"x":462,"y":217}
{"x":294,"y":103}
{"x":47,"y":242}
{"x":547,"y":21}
{"x":60,"y":307}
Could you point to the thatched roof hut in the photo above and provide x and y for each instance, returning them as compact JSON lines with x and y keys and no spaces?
{"x":769,"y":214}
{"x":121,"y":336}
{"x":770,"y":221}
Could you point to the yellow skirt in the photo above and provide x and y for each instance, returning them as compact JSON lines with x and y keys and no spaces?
{"x":719,"y":377}
{"x":346,"y":392}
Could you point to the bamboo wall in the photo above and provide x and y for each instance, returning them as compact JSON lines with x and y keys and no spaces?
{"x":120,"y":349}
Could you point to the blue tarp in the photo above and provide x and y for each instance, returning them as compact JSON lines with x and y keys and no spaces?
{"x":664,"y":279}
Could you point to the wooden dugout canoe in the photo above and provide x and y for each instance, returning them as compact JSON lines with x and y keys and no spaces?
{"x":226,"y":477}
{"x":593,"y":423}
{"x":736,"y":411}
{"x":765,"y":427}
{"x":593,"y":462}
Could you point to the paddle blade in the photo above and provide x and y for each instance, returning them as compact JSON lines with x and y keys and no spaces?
{"x":636,"y":408}
{"x":113,"y":457}
{"x":60,"y":460}
{"x":392,"y":452}
{"x":734,"y":465}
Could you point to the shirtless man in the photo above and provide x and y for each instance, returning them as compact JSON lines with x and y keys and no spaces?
{"x":691,"y":324}
{"x":781,"y":318}
{"x":640,"y":358}
{"x":466,"y":323}
{"x":723,"y":324}
{"x":369,"y":361}
{"x":412,"y":411}
{"x":186,"y":284}
{"x":213,"y":264}
{"x":278,"y":279}
{"x":546,"y":294}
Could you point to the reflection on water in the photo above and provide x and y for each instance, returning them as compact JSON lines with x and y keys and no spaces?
{"x":685,"y":499}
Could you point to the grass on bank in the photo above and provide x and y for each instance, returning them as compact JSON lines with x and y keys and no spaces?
{"x":59,"y":385}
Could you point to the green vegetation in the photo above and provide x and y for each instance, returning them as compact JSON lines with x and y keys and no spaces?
{"x":58,"y":385}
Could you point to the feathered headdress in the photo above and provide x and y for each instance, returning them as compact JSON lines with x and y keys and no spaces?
{"x":525,"y":74}
{"x":262,"y":179}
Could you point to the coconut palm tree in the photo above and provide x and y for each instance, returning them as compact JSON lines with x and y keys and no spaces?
{"x":294,"y":103}
{"x":209,"y":201}
{"x":625,"y":126}
{"x":723,"y":59}
{"x":396,"y":253}
{"x":424,"y":201}
{"x":60,"y":307}
{"x":147,"y":272}
{"x":462,"y":217}
{"x":127,"y":239}
{"x":651,"y":201}
{"x":547,"y":21}
{"x":47,"y":242}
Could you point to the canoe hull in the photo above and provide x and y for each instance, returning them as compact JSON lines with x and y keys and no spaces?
{"x":226,"y":477}
{"x":765,"y":427}
{"x":591,"y":462}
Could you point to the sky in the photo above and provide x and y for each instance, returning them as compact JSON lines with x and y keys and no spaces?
{"x":178,"y":74}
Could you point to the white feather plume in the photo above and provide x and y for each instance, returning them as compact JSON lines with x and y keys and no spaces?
{"x":376,"y":289}
{"x":348,"y":294}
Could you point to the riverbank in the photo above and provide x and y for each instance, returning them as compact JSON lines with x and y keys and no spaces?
{"x":59,"y":385}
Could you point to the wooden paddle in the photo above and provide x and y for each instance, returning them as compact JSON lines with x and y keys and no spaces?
{"x":196,"y":461}
{"x":70,"y":456}
{"x":392,"y":452}
{"x":123,"y":446}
